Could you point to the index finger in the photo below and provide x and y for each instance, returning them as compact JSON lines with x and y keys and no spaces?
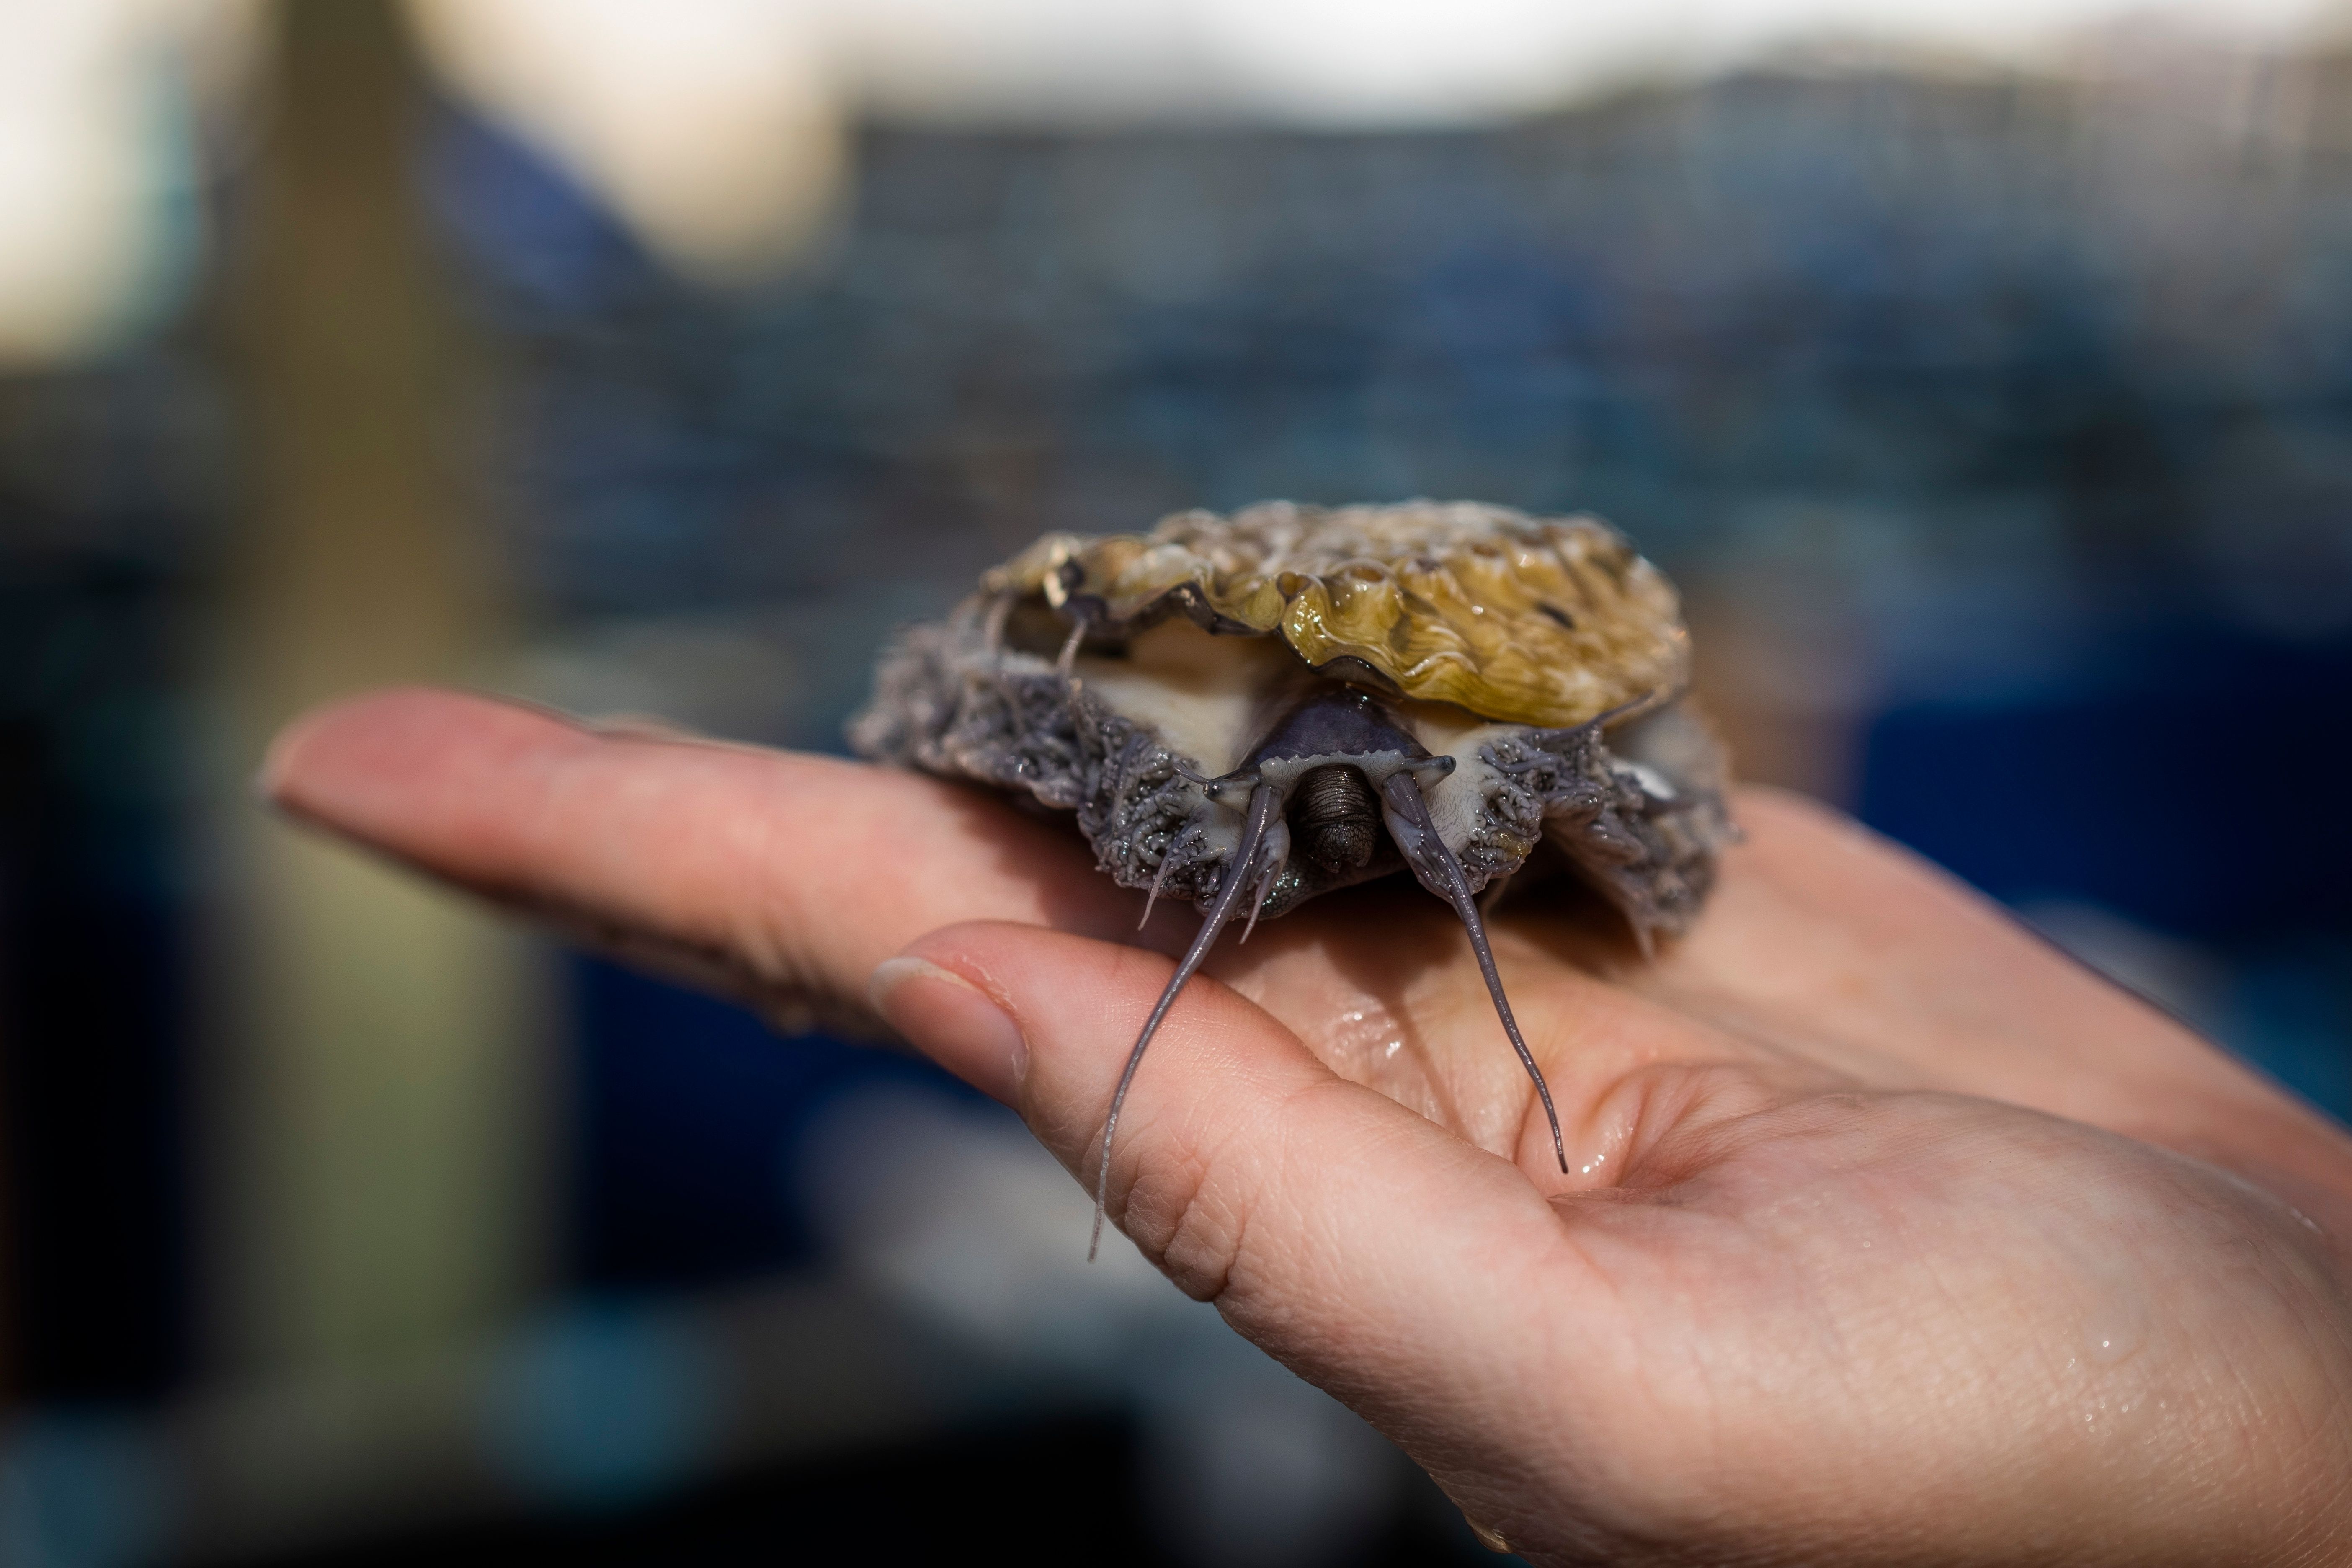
{"x":775,"y":875}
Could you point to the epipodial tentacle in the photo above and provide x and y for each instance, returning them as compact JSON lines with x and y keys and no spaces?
{"x":1434,"y":864}
{"x":1240,"y":875}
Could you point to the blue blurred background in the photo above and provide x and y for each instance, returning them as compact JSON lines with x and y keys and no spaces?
{"x":1990,"y":396}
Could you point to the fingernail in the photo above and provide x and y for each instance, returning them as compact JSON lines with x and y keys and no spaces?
{"x":954,"y":1022}
{"x":1488,"y":1537}
{"x":270,"y":778}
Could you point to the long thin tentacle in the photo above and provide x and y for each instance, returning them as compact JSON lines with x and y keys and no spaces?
{"x":1274,"y":860}
{"x":1000,"y":609}
{"x":1434,"y":864}
{"x":1068,"y":660}
{"x":1167,"y":862}
{"x":1239,"y":876}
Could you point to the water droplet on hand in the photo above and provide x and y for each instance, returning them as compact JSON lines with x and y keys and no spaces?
{"x":2115,"y":1331}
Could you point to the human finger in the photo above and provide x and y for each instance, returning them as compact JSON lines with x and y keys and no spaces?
{"x":1369,"y":1248}
{"x":785,"y":877}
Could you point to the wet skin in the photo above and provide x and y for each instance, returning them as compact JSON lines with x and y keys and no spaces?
{"x":1889,"y":1234}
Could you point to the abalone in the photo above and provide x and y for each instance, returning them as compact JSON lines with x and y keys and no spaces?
{"x":1247,"y":710}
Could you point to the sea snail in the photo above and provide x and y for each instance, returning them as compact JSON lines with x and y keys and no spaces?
{"x":1246,"y":711}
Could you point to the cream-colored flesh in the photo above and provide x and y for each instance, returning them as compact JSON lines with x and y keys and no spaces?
{"x":1455,"y":801}
{"x":1214,"y":698}
{"x":1209,"y":697}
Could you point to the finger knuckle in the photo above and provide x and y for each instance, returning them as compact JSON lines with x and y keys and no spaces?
{"x":1178,"y":1213}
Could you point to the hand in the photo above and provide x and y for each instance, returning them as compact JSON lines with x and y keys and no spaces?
{"x":1891,"y":1235}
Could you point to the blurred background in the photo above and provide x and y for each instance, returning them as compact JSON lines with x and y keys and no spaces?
{"x":1982,"y":372}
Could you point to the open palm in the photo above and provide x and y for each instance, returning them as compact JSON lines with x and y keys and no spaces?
{"x":1890,"y":1236}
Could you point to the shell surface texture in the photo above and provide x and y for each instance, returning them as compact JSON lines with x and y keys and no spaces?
{"x":1245,"y":712}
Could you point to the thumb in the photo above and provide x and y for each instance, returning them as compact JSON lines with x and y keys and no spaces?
{"x":1372,"y":1251}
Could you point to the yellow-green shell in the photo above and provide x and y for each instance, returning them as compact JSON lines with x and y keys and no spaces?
{"x":1544,"y":621}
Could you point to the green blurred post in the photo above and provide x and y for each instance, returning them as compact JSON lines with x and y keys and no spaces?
{"x":380,"y":1160}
